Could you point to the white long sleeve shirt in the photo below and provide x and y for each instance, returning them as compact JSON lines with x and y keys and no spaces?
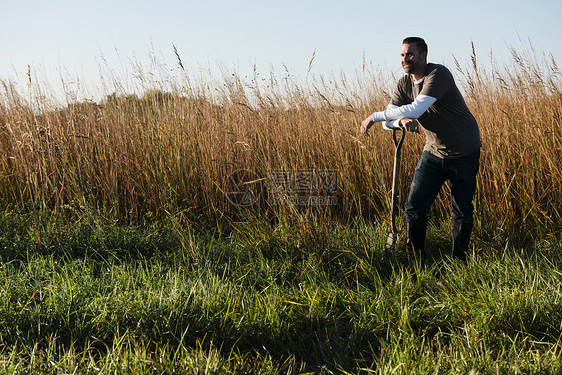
{"x":413,"y":110}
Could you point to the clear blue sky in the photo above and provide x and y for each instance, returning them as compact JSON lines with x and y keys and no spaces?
{"x":63,"y":38}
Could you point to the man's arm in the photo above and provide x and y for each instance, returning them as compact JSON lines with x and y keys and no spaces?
{"x":398,"y":110}
{"x":409,"y":123}
{"x":412,"y":111}
{"x":389,"y":125}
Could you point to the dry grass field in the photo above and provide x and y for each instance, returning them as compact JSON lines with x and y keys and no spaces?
{"x":171,"y":150}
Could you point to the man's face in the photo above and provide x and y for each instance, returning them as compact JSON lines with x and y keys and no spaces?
{"x":412,"y":59}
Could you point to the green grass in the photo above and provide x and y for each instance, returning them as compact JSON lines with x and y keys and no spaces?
{"x":86,"y":294}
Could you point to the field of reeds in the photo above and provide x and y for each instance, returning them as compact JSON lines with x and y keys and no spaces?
{"x":125,"y":246}
{"x":172,"y":150}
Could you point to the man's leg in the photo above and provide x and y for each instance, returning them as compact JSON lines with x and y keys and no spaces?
{"x":428,"y":178}
{"x":463,"y":187}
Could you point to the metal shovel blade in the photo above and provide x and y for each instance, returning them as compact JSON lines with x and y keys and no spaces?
{"x":391,"y":244}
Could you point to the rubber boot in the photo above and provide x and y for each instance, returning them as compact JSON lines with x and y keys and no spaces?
{"x":415,"y":237}
{"x":461,"y":239}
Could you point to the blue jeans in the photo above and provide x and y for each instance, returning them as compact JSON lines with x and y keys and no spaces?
{"x":430,"y":175}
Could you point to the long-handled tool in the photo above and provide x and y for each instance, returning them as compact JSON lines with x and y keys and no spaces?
{"x":392,"y":240}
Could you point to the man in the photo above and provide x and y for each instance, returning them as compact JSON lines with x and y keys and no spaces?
{"x":427,"y":96}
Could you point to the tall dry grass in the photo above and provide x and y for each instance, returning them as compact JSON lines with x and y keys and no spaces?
{"x":170,"y":150}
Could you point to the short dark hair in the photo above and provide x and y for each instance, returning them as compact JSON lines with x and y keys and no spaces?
{"x":419,"y":42}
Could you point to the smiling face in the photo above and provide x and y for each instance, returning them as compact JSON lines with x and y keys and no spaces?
{"x":413,"y":61}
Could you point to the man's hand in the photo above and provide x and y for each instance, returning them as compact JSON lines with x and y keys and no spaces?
{"x":411,"y":125}
{"x":365,"y":125}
